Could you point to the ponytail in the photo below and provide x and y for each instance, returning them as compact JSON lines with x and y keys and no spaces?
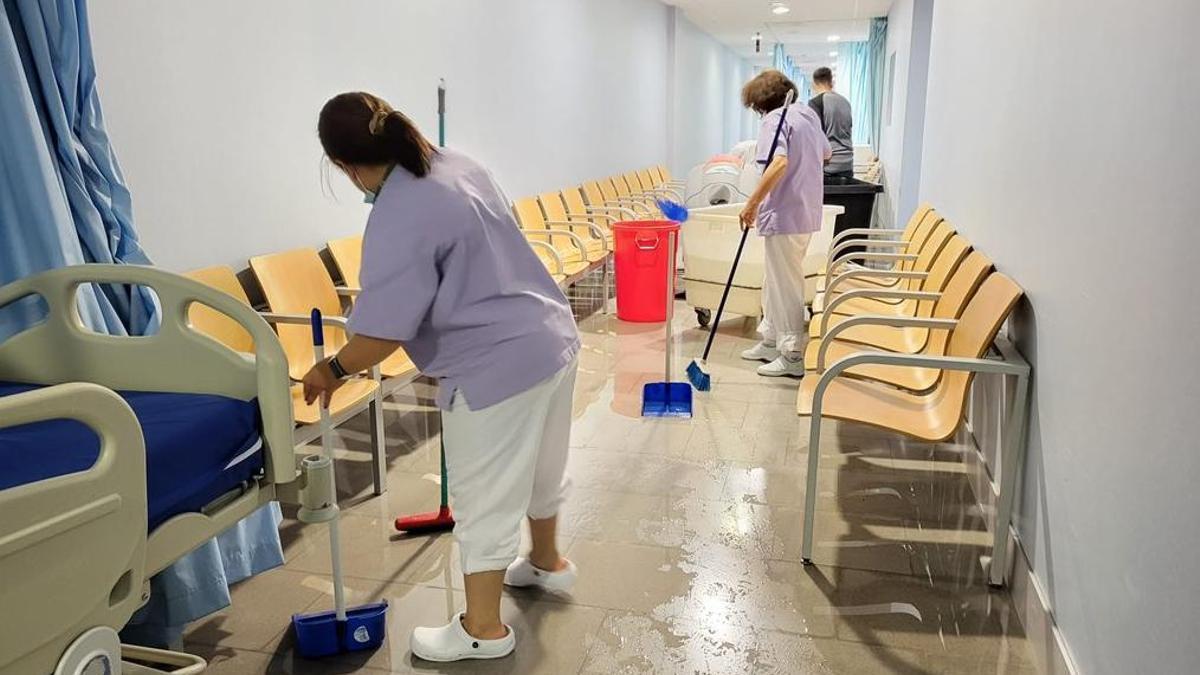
{"x":360,"y":128}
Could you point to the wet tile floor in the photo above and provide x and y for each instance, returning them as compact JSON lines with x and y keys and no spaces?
{"x":687,"y":535}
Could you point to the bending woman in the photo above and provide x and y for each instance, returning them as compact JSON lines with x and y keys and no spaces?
{"x":448,"y":276}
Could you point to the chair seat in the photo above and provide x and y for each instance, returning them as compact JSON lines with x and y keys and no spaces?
{"x":915,"y":379}
{"x":879,"y":405}
{"x":353,"y":394}
{"x":903,"y":340}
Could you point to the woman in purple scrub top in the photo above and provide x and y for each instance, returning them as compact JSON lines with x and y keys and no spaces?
{"x":448,"y":276}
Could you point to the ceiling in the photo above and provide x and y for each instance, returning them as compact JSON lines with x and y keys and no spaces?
{"x":804,"y":31}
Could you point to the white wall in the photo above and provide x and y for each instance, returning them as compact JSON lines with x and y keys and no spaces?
{"x":212,"y":106}
{"x":1065,"y":147}
{"x":706,"y":93}
{"x":903,"y":121}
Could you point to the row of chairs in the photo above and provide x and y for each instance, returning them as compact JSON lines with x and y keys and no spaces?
{"x":899,"y":330}
{"x":570,"y":230}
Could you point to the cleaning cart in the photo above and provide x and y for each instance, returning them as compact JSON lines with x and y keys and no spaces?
{"x":709,"y":238}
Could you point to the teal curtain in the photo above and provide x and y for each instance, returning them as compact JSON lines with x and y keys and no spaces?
{"x":854,"y":81}
{"x":784,"y":64}
{"x":877,"y":58}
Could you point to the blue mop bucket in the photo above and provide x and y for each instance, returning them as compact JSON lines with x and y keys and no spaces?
{"x":320,"y":635}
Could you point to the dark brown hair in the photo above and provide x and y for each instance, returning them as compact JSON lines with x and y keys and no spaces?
{"x":767,"y":91}
{"x":823,"y":75}
{"x":361,"y":128}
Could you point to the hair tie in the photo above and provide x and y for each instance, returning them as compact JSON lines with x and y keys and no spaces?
{"x":375,"y":126}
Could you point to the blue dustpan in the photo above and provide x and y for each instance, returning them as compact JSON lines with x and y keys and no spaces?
{"x":667,"y":399}
{"x":321,"y":634}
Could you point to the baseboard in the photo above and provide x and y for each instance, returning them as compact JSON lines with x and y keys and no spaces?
{"x":1051,"y":653}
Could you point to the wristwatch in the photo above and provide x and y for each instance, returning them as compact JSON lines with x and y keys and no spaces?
{"x":338,"y":371}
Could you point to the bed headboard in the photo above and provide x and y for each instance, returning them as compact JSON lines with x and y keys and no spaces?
{"x":175,"y":359}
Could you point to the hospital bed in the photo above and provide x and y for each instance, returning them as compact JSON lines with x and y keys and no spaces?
{"x":118,"y":455}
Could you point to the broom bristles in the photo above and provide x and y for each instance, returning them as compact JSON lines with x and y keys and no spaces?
{"x":698,"y":375}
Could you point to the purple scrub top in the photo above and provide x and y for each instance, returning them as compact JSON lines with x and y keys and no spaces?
{"x":795,"y":205}
{"x":448,"y":274}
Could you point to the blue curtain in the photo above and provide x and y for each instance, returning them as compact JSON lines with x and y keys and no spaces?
{"x":63,"y":202}
{"x":854,"y":81}
{"x":877,"y":57}
{"x":784,"y":64}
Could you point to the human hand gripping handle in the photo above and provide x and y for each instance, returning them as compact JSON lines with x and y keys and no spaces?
{"x":320,"y":380}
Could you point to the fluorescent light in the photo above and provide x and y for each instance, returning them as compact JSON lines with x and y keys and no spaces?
{"x":780,"y":8}
{"x":834,"y":38}
{"x":833,"y":55}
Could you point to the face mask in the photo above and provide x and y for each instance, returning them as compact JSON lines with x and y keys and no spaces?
{"x":368,"y":195}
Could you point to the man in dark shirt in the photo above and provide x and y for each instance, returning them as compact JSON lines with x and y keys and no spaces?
{"x":836,"y":119}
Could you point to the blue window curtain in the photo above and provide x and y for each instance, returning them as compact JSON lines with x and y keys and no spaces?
{"x":877,"y":57}
{"x":65,"y":201}
{"x":784,"y":64}
{"x":854,"y":81}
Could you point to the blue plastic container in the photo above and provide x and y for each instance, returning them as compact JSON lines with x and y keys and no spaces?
{"x":319,"y":635}
{"x":667,"y":399}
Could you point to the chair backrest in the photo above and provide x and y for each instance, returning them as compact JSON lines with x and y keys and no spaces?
{"x":915,"y":221}
{"x":943,"y":267}
{"x":347,"y":255}
{"x":573,"y":198}
{"x":634,"y":181}
{"x":294,"y":282}
{"x":594,"y":193}
{"x":619,"y":184}
{"x":529,"y":214}
{"x":962,"y":286}
{"x":985,"y":313}
{"x":552,"y":206}
{"x":921,"y":236}
{"x":938,"y":236}
{"x":664,"y":172}
{"x":648,"y":181}
{"x":607,"y":191}
{"x":213,"y":323}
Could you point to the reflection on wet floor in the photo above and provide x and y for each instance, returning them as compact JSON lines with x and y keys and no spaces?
{"x":687,"y":535}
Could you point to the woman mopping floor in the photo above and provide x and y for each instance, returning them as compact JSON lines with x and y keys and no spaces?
{"x":448,"y":276}
{"x":787,"y":205}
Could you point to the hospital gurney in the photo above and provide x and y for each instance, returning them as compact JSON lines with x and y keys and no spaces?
{"x":710,"y":238}
{"x":198,"y":438}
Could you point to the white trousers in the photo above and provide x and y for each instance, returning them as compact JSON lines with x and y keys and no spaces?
{"x":783,"y":293}
{"x":506,"y":462}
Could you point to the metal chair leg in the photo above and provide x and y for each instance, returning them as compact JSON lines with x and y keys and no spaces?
{"x":378,"y":441}
{"x":810,"y":493}
{"x":1013,"y":458}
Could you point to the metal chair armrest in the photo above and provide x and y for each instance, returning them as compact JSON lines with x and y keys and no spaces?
{"x":827,"y":337}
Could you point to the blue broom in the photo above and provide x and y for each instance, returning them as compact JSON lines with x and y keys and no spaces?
{"x":697,"y":370}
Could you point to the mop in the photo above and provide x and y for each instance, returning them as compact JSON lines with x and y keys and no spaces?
{"x":697,"y":371}
{"x":342,"y":630}
{"x":442,"y":519}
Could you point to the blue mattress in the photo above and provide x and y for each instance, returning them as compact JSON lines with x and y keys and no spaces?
{"x":198,"y":447}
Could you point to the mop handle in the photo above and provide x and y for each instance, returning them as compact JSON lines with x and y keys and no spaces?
{"x":712,"y":332}
{"x":442,"y":113}
{"x":670,"y":302}
{"x":445,"y":481}
{"x":335,"y":547}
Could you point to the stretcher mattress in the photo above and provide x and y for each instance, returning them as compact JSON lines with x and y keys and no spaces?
{"x":198,"y":447}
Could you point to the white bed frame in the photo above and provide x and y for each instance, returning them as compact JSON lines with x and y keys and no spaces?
{"x":74,"y":552}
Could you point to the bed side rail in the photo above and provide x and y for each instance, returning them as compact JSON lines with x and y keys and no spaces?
{"x":175,"y":359}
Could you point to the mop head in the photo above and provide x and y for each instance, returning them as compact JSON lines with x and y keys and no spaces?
{"x":441,"y":520}
{"x":697,"y":372}
{"x":673,"y":210}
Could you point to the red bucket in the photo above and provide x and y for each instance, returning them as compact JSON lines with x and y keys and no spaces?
{"x":645,"y":259}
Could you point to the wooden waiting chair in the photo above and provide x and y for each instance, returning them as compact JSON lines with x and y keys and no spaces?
{"x":923,"y":266}
{"x":296,"y":281}
{"x":570,"y":248}
{"x":577,"y":210}
{"x":934,"y":416}
{"x":347,"y":257}
{"x":907,"y":242}
{"x":599,"y":202}
{"x":879,"y":332}
{"x":352,"y":398}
